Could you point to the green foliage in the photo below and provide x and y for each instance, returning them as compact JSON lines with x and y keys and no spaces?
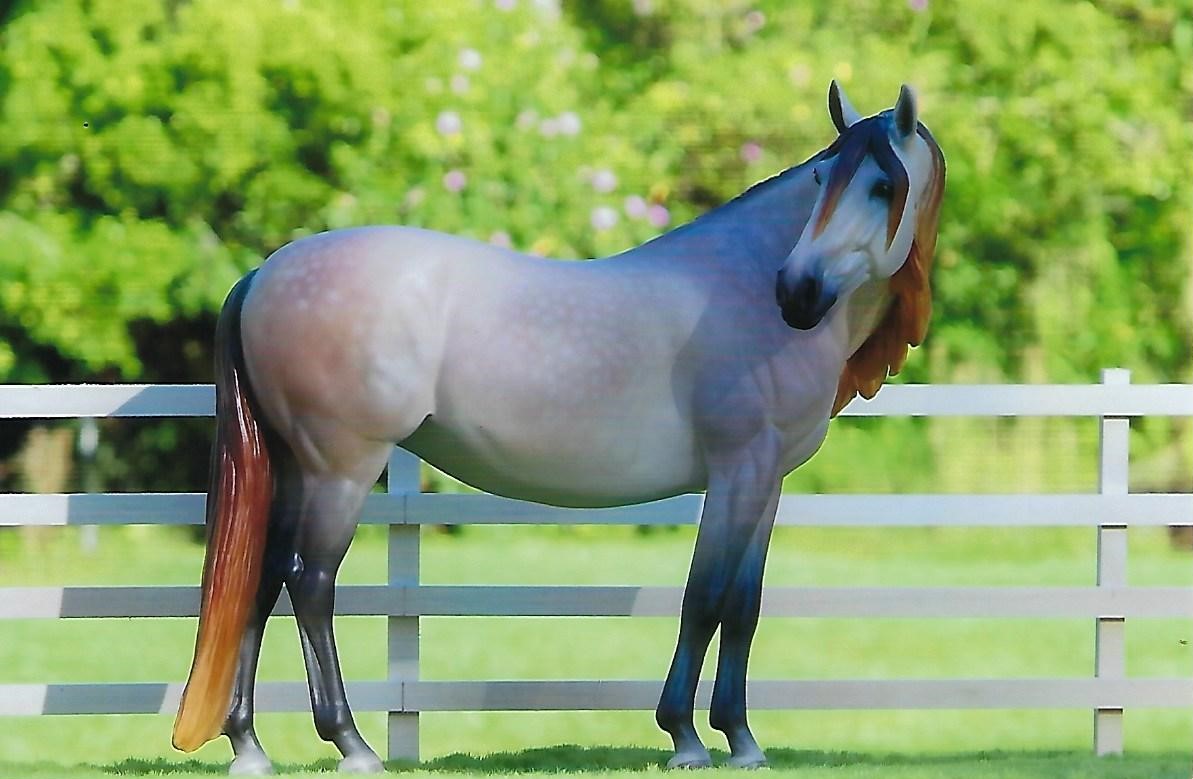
{"x":153,"y":150}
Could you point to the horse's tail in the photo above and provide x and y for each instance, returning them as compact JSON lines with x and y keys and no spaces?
{"x":238,"y":504}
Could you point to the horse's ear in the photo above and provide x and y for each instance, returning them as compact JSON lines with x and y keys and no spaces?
{"x":905,"y":114}
{"x":840,"y":110}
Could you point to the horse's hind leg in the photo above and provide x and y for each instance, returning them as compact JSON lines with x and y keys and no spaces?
{"x":330,"y":507}
{"x":250,"y":758}
{"x":280,"y":564}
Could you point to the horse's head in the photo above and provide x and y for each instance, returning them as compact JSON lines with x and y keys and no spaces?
{"x":875,"y":216}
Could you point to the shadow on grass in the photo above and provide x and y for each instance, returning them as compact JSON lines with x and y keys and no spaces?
{"x":577,"y":759}
{"x":580,"y":760}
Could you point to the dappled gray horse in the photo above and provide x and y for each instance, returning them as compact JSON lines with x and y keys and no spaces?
{"x":710,"y":358}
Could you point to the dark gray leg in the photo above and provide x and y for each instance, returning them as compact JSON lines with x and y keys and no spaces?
{"x":674,"y":713}
{"x":739,"y":620}
{"x":250,"y":758}
{"x":740,"y":498}
{"x":330,"y":508}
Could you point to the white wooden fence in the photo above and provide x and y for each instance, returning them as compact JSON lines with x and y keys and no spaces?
{"x":1107,"y":691}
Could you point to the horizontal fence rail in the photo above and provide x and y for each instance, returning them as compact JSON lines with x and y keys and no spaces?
{"x":73,"y":401}
{"x":403,"y":600}
{"x":794,"y":510}
{"x":622,"y":695}
{"x":623,"y":601}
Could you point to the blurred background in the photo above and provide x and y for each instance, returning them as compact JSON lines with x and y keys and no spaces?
{"x":152,"y":151}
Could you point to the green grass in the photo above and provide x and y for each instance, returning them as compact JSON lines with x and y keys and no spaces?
{"x":625,"y":763}
{"x":844,"y":744}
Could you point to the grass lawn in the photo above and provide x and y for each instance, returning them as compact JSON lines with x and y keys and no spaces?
{"x":844,"y":744}
{"x":629,"y":762}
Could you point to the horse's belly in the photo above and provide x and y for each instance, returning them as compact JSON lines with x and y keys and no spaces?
{"x":580,"y":461}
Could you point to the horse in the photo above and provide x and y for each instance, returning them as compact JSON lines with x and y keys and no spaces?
{"x":708,"y":359}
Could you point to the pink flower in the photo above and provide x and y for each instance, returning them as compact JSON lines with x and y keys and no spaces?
{"x":917,"y":5}
{"x":658,"y":215}
{"x":448,"y":123}
{"x":603,"y":218}
{"x":635,"y":207}
{"x":501,"y":238}
{"x":751,"y":152}
{"x":755,"y":21}
{"x":454,"y":180}
{"x":505,"y":5}
{"x":459,"y":83}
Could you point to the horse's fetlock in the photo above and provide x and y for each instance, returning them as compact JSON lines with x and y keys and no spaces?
{"x":332,"y":721}
{"x":670,"y":718}
{"x":239,"y":721}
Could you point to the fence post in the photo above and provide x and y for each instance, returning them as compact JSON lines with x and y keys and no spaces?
{"x":403,"y":566}
{"x":1110,"y":631}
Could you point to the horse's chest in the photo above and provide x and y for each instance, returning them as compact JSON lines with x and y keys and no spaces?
{"x":802,"y":393}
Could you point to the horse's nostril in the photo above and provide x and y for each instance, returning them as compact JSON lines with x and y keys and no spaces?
{"x":807,"y":292}
{"x":780,"y":291}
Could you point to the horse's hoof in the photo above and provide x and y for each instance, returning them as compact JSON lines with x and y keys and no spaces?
{"x":689,"y":760}
{"x":363,"y":763}
{"x":748,"y":762}
{"x":251,"y":764}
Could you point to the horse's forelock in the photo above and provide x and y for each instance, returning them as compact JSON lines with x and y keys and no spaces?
{"x":890,"y":164}
{"x":869,"y":137}
{"x":850,"y":148}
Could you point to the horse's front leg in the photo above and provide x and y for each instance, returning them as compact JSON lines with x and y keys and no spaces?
{"x":739,"y":619}
{"x":740,"y":499}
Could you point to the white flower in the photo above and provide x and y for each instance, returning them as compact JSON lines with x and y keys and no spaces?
{"x":569,"y":123}
{"x":470,"y":59}
{"x":414,"y":197}
{"x":448,"y":123}
{"x":604,"y":180}
{"x":526,"y":119}
{"x":755,"y":21}
{"x":603,"y":218}
{"x":501,"y":238}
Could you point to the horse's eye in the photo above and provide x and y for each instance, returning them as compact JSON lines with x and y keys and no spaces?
{"x":882,"y":190}
{"x":816,"y":176}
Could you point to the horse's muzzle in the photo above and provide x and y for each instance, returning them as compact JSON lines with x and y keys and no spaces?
{"x":805,"y":303}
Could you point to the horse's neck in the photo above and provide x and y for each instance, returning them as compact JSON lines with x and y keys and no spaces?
{"x":755,"y":230}
{"x":862,"y":313}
